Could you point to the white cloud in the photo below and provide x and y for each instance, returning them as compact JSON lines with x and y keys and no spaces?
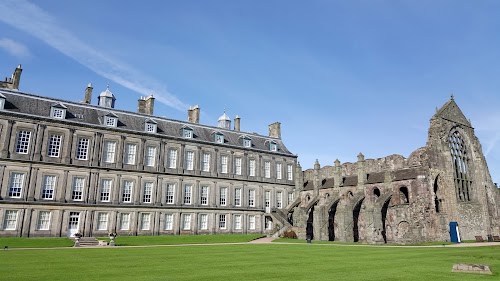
{"x":14,"y":48}
{"x":31,"y":19}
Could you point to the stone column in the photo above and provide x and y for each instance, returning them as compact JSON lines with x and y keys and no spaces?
{"x":5,"y":152}
{"x":32,"y":184}
{"x":62,"y":188}
{"x":25,"y":231}
{"x":66,"y":155}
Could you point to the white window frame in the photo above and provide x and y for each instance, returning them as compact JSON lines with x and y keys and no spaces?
{"x":124,"y":221}
{"x":279,"y":168}
{"x":150,"y":156}
{"x":130,"y":153}
{"x":105,"y":190}
{"x":251,"y":222}
{"x":203,"y":221}
{"x":54,"y":147}
{"x":145,"y":221}
{"x":187,"y":133}
{"x":251,"y":167}
{"x":237,"y":196}
{"x":170,"y":194}
{"x":222,"y":221}
{"x":279,"y":199}
{"x":251,"y":198}
{"x":267,"y":198}
{"x":82,"y":150}
{"x":219,"y":138}
{"x":205,"y":165}
{"x":48,"y":187}
{"x":204,"y":195}
{"x":169,"y":221}
{"x":237,"y":222}
{"x":289,"y":169}
{"x":237,"y":166}
{"x":247,"y":143}
{"x":23,"y":142}
{"x":290,"y":197}
{"x":102,"y":221}
{"x":109,"y":151}
{"x":273,"y":146}
{"x":186,"y":221}
{"x":224,"y":159}
{"x":43,"y":222}
{"x":189,"y":160}
{"x":267,"y":169}
{"x":150,"y":127}
{"x":110,"y":121}
{"x":16,"y":185}
{"x":188,"y":194}
{"x":147,"y":194}
{"x":172,"y":158}
{"x":223,"y":196}
{"x":57,"y":112}
{"x":10,"y":219}
{"x":128,"y":189}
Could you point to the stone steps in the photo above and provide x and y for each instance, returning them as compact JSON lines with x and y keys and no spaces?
{"x":87,"y":242}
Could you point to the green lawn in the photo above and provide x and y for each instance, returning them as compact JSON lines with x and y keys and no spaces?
{"x":19,"y":242}
{"x":183,"y":239}
{"x":246,"y":262}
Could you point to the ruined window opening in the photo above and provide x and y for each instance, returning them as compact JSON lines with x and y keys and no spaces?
{"x":403,"y":195}
{"x":436,"y":199}
{"x":376,"y":192}
{"x":460,"y":159}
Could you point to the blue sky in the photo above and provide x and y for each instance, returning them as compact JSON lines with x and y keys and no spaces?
{"x":342,"y":77}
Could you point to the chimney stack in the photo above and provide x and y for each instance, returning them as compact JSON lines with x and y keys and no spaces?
{"x":88,"y":94}
{"x":149,"y":105}
{"x":141,"y":105}
{"x":237,"y":120}
{"x":16,"y":77}
{"x":275,"y":130}
{"x":194,"y":114}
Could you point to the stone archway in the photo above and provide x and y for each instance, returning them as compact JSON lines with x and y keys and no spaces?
{"x":384,"y":210}
{"x":332,"y":227}
{"x":357,"y":226}
{"x":310,"y":223}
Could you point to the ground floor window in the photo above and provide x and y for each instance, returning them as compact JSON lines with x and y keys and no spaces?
{"x":10,"y":221}
{"x":145,"y":221}
{"x":125,"y":221}
{"x":169,"y":221}
{"x":203,"y":221}
{"x":222,"y":221}
{"x":43,"y":220}
{"x":251,"y":222}
{"x":102,"y":221}
{"x":186,"y":221}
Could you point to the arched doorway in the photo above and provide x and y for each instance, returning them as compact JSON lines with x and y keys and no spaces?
{"x":331,"y":221}
{"x":356,"y":222}
{"x":385,"y":207}
{"x":310,"y":221}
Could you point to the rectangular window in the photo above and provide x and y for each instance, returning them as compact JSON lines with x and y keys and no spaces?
{"x":170,"y":193}
{"x":150,"y":156}
{"x":145,"y":221}
{"x":124,"y":221}
{"x":109,"y":151}
{"x":222,"y":221}
{"x":278,"y":171}
{"x":130,"y":152}
{"x":102,"y":221}
{"x":290,"y":197}
{"x":10,"y":221}
{"x":223,"y":164}
{"x":169,"y":221}
{"x":237,"y":197}
{"x":105,"y":190}
{"x":289,"y":172}
{"x":23,"y":142}
{"x":237,"y":166}
{"x":82,"y":150}
{"x":267,"y":169}
{"x":267,"y":198}
{"x":187,"y":194}
{"x":187,"y":133}
{"x":110,"y":121}
{"x":251,"y":198}
{"x":49,"y":183}
{"x":43,"y":220}
{"x":251,"y":166}
{"x":172,"y":158}
{"x":148,"y":191}
{"x":150,"y":128}
{"x":251,"y":222}
{"x":127,"y":191}
{"x":204,"y":195}
{"x":205,"y":166}
{"x":203,"y":221}
{"x":279,"y":199}
{"x":247,"y":143}
{"x":223,"y":196}
{"x":54,"y":145}
{"x":58,"y":113}
{"x":186,"y":221}
{"x":219,"y":138}
{"x":16,"y":185}
{"x":189,"y":160}
{"x":237,"y":221}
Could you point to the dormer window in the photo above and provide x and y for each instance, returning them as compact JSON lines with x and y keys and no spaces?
{"x":273,"y":146}
{"x":247,"y":142}
{"x":110,"y":120}
{"x":150,"y":126}
{"x":2,"y":101}
{"x":187,"y":133}
{"x":58,"y":111}
{"x":219,"y":138}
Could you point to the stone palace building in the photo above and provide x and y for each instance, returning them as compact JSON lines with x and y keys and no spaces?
{"x":68,"y":167}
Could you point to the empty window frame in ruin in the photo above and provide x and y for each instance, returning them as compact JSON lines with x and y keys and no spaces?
{"x":460,"y":159}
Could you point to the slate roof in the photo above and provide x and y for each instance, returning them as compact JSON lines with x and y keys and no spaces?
{"x":93,"y":115}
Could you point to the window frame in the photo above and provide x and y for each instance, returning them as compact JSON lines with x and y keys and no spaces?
{"x":23,"y":141}
{"x":54,"y":145}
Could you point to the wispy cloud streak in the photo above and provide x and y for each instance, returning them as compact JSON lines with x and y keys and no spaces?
{"x":14,"y":48}
{"x":31,"y":19}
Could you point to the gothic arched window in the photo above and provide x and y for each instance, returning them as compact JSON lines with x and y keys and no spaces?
{"x":460,"y":159}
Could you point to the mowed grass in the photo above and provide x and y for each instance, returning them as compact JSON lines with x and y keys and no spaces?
{"x":21,"y":242}
{"x":246,"y":262}
{"x":182,"y":239}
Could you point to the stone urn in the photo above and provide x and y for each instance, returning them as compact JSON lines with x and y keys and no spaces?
{"x":77,"y":239}
{"x":112,"y":237}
